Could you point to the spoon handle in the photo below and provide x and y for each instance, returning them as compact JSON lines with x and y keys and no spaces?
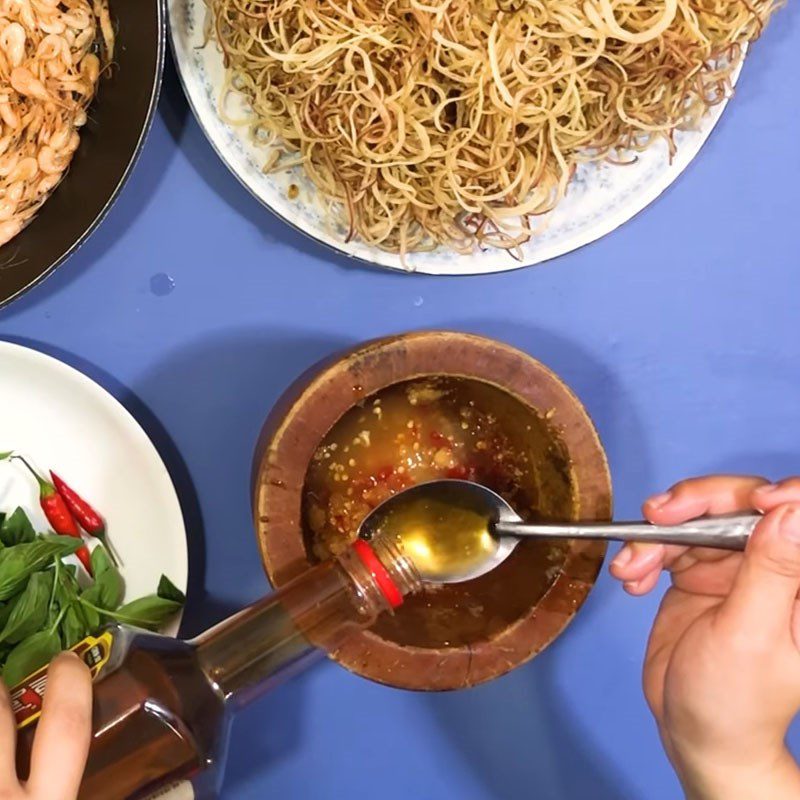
{"x":722,"y":532}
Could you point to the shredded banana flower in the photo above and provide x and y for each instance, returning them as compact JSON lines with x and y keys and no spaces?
{"x":456,"y":122}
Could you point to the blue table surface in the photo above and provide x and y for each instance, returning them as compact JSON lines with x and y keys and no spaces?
{"x":679,"y":332}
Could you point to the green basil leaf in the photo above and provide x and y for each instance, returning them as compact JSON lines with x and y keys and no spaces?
{"x":64,"y":545}
{"x":5,"y":612}
{"x":17,"y":529}
{"x":30,"y":609}
{"x":167,"y":590}
{"x":112,"y":589}
{"x":101,"y":562}
{"x":29,"y":655}
{"x":19,"y":562}
{"x":67,"y":593}
{"x":76,"y":616}
{"x":73,"y":626}
{"x":91,"y":616}
{"x":149,"y":612}
{"x":91,"y":595}
{"x":107,"y":590}
{"x":68,"y":578}
{"x":63,"y":600}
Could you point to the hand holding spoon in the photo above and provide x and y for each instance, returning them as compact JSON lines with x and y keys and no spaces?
{"x":456,"y":530}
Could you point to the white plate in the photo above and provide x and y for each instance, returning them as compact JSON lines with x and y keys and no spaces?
{"x":601,"y":197}
{"x":66,"y":422}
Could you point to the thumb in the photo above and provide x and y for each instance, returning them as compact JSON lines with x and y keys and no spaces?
{"x":762,"y":600}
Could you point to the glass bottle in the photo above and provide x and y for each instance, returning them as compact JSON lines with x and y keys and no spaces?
{"x":163,"y":707}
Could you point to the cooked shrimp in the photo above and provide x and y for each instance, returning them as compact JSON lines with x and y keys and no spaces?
{"x":90,"y":68}
{"x":50,"y":161}
{"x":48,"y":183}
{"x":15,"y":191}
{"x":9,"y":229}
{"x":49,"y":74}
{"x":24,"y":82}
{"x":12,"y":41}
{"x":25,"y":170}
{"x":8,"y":208}
{"x":8,"y":164}
{"x":59,"y":137}
{"x":8,"y":115}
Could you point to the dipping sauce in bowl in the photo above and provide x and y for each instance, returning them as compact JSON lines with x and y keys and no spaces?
{"x":442,"y":427}
{"x":408,"y":409}
{"x":408,"y":434}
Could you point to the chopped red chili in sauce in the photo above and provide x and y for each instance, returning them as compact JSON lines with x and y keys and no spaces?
{"x":408,"y":434}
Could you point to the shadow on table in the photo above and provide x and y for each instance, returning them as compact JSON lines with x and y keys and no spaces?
{"x":264,"y":733}
{"x":520,"y":742}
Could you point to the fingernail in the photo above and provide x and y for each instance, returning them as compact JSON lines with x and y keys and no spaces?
{"x":789,"y":526}
{"x":69,"y":654}
{"x":622,"y":558}
{"x":630,"y":586}
{"x":766,"y":488}
{"x":659,"y":500}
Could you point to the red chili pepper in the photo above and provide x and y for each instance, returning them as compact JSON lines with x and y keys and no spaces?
{"x":439,"y":438}
{"x":463,"y":472}
{"x":87,"y":517}
{"x":384,"y":474}
{"x":58,"y":514}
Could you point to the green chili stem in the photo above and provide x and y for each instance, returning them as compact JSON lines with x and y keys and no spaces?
{"x":45,"y":487}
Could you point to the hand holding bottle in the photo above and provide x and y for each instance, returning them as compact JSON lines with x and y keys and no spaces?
{"x":722,"y":671}
{"x":62,"y":737}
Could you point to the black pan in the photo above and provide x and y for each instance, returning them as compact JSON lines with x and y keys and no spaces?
{"x":111,"y":141}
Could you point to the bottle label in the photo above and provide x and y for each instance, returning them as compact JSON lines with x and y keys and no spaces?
{"x":26,"y":698}
{"x":175,"y":791}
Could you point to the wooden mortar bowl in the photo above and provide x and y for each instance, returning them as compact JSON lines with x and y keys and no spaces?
{"x":312,"y":406}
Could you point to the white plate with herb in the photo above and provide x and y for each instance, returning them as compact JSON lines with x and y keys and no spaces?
{"x":61,"y":420}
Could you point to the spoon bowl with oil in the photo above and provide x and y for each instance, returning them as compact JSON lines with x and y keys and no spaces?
{"x":456,"y":531}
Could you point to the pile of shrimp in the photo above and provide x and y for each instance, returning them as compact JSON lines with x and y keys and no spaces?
{"x":52,"y":53}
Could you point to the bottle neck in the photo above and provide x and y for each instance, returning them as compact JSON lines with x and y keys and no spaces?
{"x":248,"y":654}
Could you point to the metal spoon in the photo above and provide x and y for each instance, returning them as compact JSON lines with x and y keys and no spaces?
{"x":457,"y":530}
